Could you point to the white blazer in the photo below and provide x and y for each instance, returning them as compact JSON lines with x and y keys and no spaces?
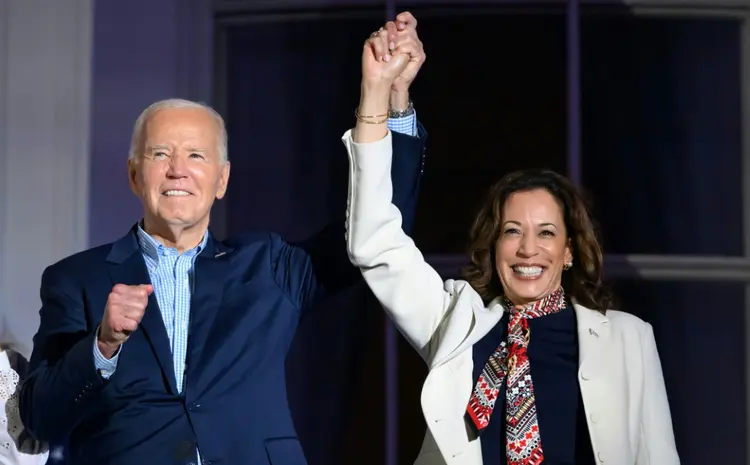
{"x":619,"y":370}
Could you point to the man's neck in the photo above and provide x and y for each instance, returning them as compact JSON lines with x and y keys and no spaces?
{"x":180,"y":238}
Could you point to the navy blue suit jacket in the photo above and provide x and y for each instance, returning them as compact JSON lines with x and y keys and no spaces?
{"x":249,"y":295}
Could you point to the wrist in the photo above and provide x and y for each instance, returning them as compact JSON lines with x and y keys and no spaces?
{"x":399,"y":100}
{"x":107,"y":350}
{"x":374,"y":98}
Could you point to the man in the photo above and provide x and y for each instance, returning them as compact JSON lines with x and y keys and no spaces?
{"x":168,"y":346}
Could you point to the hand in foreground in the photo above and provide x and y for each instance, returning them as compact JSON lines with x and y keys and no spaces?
{"x":382,"y":61}
{"x":406,"y":40}
{"x":124,"y":311}
{"x":385,"y":58}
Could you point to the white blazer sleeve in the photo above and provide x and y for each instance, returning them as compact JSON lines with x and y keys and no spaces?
{"x":16,"y":447}
{"x":656,"y":426}
{"x":409,"y":289}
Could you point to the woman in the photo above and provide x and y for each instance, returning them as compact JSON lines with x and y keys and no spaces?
{"x":16,"y":447}
{"x":532,"y":297}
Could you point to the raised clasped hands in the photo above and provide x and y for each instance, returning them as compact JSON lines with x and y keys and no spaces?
{"x":391,"y":59}
{"x":393,"y":54}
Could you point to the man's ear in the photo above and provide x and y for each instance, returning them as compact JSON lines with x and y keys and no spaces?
{"x":223,"y":180}
{"x":132,"y":173}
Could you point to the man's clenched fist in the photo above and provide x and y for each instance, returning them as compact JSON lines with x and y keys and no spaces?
{"x":125,"y":308}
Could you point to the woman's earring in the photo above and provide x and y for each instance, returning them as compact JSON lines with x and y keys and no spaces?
{"x":568,"y":266}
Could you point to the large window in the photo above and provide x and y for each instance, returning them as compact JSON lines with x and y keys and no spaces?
{"x":663,"y":159}
{"x":661,"y":128}
{"x":665,"y":155}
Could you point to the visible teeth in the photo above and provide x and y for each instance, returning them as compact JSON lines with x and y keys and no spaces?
{"x":176,"y":192}
{"x":528,"y":270}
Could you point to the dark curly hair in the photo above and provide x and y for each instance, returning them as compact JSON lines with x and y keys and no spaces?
{"x":583,"y":282}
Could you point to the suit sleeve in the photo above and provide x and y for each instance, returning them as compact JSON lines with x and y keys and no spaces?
{"x":62,"y":381}
{"x":313,"y":269}
{"x":656,"y":426}
{"x":409,"y":289}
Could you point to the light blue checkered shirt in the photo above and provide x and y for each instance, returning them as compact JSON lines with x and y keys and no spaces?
{"x":171,"y":274}
{"x":406,"y":125}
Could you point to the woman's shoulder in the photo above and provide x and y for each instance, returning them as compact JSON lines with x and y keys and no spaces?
{"x":626,"y":320}
{"x":621,"y":320}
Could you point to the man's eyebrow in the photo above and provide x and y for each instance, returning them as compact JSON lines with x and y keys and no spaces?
{"x":195,"y":149}
{"x":151,"y":148}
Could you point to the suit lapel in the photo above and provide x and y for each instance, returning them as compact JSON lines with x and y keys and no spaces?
{"x":593,"y":339}
{"x":128,"y":267}
{"x":210,"y":273}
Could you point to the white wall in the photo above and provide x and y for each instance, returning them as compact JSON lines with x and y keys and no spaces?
{"x":170,"y":56}
{"x":45,"y":63}
{"x":69,"y":95}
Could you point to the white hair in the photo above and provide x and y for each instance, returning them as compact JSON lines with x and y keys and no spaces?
{"x":136,"y":141}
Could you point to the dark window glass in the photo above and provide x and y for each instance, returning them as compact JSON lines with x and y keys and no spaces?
{"x":662,"y":133}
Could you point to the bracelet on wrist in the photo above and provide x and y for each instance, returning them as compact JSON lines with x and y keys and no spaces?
{"x":376,"y":119}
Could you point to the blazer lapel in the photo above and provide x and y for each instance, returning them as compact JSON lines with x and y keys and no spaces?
{"x":128,"y":267}
{"x":593,"y":339}
{"x":210,"y":273}
{"x":469,"y":330}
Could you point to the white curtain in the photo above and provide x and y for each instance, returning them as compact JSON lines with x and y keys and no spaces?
{"x":45,"y":80}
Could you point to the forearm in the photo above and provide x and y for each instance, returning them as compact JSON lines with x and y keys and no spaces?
{"x":372,"y":114}
{"x":327,"y":249}
{"x":394,"y":269}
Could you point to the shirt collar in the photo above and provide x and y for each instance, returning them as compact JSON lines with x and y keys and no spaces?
{"x":154,"y":249}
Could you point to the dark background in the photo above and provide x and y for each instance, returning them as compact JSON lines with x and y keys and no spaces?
{"x":661,"y":159}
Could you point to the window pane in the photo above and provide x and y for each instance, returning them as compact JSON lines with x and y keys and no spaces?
{"x":291,"y":89}
{"x":699,"y":330}
{"x":493,"y":100}
{"x":662,"y":133}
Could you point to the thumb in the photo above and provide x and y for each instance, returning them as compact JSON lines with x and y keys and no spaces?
{"x":398,"y":63}
{"x":148,"y":287}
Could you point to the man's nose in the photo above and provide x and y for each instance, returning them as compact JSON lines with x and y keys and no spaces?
{"x":177,"y":167}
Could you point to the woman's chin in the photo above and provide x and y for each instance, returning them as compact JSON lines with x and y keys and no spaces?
{"x":526,"y":290}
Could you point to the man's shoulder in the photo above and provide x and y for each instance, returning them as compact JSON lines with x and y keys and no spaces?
{"x":252,"y":240}
{"x":82,"y":261}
